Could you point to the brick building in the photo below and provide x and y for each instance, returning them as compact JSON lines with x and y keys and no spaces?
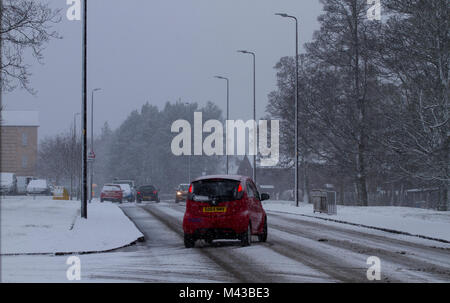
{"x":18,"y":142}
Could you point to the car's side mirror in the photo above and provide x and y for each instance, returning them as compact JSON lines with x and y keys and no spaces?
{"x":265,"y":197}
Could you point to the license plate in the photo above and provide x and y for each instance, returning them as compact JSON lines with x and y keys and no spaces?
{"x":214,"y":209}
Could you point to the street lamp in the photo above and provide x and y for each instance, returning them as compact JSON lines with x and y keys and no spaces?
{"x":92,"y":141}
{"x":296,"y":101}
{"x":228,"y":108}
{"x":254,"y":108}
{"x":84,"y":116}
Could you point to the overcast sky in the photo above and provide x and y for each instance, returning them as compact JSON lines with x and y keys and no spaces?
{"x":163,"y":50}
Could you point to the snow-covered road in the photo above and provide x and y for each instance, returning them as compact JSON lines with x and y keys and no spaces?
{"x":298,"y":249}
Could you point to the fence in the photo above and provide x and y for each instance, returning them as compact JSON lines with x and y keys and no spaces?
{"x":419,"y":198}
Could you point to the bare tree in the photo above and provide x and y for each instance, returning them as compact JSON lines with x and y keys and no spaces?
{"x":416,"y":53}
{"x":25,"y":25}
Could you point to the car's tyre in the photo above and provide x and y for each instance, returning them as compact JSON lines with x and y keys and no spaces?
{"x":189,"y":241}
{"x":263,"y":237}
{"x":246,"y":238}
{"x":120,"y":201}
{"x":101,"y":200}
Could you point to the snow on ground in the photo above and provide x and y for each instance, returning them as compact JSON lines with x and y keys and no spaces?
{"x":416,"y":221}
{"x":42,"y":225}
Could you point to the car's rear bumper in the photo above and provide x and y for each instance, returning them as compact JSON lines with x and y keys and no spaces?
{"x":113,"y":198}
{"x":228,"y":226}
{"x":148,"y":197}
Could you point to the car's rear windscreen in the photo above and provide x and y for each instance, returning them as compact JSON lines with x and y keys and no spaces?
{"x":217,"y":189}
{"x":147,"y":188}
{"x":111,"y":188}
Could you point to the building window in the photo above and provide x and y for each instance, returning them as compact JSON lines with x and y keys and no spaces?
{"x":24,"y":161}
{"x":24,"y":139}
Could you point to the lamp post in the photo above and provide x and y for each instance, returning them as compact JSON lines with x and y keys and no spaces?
{"x":254,"y":109}
{"x":84,"y":116}
{"x":92,"y":143}
{"x":296,"y":101}
{"x":228,"y":109}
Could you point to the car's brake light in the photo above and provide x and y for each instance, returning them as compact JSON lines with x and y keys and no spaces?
{"x":190,"y":189}
{"x":239,"y":188}
{"x":155,"y":192}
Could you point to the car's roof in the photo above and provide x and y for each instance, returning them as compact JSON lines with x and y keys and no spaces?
{"x":123,"y":185}
{"x":147,"y":185}
{"x":227,"y":177}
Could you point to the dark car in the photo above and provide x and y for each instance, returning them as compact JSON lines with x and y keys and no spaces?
{"x":181,"y":192}
{"x":224,"y":207}
{"x":147,"y":193}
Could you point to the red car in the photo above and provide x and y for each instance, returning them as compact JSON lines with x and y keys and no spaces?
{"x":224,"y":207}
{"x":111,"y":192}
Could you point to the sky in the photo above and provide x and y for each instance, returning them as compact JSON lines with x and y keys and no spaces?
{"x":163,"y":50}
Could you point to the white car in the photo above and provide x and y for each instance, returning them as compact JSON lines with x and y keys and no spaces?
{"x":8,"y":183}
{"x":127,"y":193}
{"x":38,"y":187}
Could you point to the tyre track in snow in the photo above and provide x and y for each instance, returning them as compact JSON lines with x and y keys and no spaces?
{"x":224,"y":259}
{"x":336,"y":268}
{"x":416,"y":258}
{"x":404,"y":260}
{"x":428,"y":255}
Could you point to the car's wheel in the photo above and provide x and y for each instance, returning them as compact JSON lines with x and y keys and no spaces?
{"x":246,"y":238}
{"x":101,"y":200}
{"x":263,"y":237}
{"x":189,"y":241}
{"x":120,"y":201}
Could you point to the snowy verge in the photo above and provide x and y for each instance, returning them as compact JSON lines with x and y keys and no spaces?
{"x":418,"y":222}
{"x":45,"y":226}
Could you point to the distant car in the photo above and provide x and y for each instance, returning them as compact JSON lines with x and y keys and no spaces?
{"x":181,"y":192}
{"x":22,"y":183}
{"x":8,"y":183}
{"x":38,"y":187}
{"x":130,"y":183}
{"x":111,"y":192}
{"x":127,"y":193}
{"x":224,"y":207}
{"x":147,"y":193}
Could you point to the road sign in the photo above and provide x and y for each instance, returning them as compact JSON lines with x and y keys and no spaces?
{"x":91,"y":155}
